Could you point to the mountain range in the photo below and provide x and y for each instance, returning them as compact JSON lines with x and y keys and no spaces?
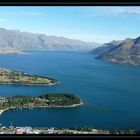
{"x":124,"y":52}
{"x":15,"y":39}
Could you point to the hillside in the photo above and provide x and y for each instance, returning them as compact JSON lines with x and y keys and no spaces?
{"x":126,"y":52}
{"x":105,"y":47}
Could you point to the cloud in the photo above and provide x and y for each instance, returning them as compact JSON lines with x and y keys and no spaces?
{"x":32,"y":13}
{"x":133,"y":10}
{"x":112,"y":11}
{"x":28,"y":13}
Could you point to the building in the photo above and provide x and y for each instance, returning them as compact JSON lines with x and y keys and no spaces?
{"x":3,"y":100}
{"x":19,"y":131}
{"x":50,"y":131}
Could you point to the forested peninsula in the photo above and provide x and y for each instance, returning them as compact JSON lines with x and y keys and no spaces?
{"x":42,"y":101}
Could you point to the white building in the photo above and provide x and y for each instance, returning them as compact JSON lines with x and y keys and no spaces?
{"x":51,"y":130}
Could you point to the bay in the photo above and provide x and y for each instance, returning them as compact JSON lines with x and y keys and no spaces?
{"x":111,"y":92}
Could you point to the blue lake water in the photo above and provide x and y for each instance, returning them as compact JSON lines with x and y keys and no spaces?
{"x":111,"y":92}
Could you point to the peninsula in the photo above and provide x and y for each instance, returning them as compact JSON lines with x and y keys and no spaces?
{"x":8,"y":76}
{"x":42,"y":101}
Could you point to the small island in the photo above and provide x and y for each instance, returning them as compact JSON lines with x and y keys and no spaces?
{"x":8,"y":76}
{"x":42,"y":101}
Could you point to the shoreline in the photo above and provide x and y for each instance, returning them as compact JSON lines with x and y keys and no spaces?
{"x":34,"y":107}
{"x":16,"y":84}
{"x":11,"y":52}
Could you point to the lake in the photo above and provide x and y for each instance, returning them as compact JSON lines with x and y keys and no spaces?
{"x":111,"y":92}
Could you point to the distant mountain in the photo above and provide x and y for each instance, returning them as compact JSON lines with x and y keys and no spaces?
{"x":105,"y":47}
{"x":14,"y":39}
{"x":126,"y":52}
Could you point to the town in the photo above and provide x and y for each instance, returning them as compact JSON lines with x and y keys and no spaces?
{"x":52,"y":130}
{"x":28,"y":130}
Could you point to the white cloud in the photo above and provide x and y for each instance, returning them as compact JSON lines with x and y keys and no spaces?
{"x":32,"y":13}
{"x":112,"y":11}
{"x":132,"y":10}
{"x":28,"y":13}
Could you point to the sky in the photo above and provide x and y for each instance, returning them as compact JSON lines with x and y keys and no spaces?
{"x":99,"y":24}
